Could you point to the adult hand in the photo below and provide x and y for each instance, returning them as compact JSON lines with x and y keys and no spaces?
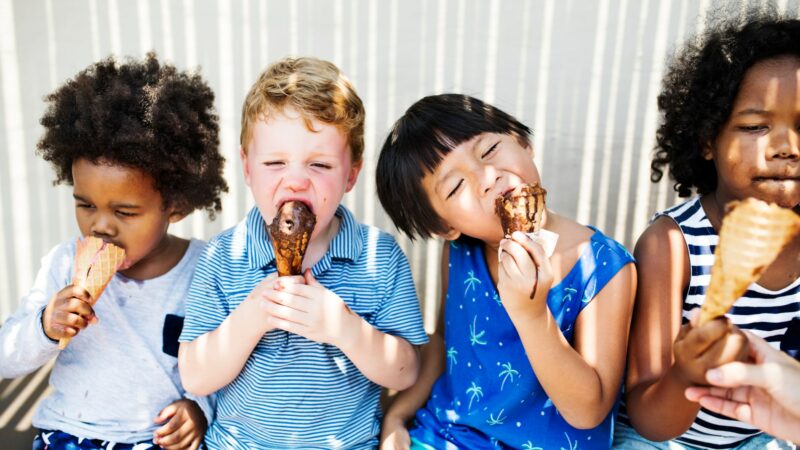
{"x":765,"y":394}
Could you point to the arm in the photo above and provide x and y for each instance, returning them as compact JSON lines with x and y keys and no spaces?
{"x":216,"y":358}
{"x":664,"y":357}
{"x":583,"y":382}
{"x":26,"y":347}
{"x":407,"y":402}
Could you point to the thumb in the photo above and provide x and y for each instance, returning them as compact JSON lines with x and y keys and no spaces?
{"x":310,"y":280}
{"x":166,"y":413}
{"x":736,"y":374}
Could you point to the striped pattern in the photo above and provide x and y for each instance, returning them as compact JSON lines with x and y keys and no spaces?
{"x":761,"y":311}
{"x":294,"y":392}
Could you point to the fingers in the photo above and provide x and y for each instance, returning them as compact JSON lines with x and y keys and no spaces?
{"x":309,"y":278}
{"x":276,"y":308}
{"x":730,"y":408}
{"x":166,"y":413}
{"x":737,"y":374}
{"x":726,"y":349}
{"x":699,"y":340}
{"x":519,"y":253}
{"x":180,"y":438}
{"x":165,"y":432}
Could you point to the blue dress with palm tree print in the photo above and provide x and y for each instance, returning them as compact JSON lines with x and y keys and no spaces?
{"x":489,"y":396}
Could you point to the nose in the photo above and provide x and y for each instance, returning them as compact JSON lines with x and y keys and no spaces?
{"x":786,"y":146}
{"x":296,"y":180}
{"x":489,"y":179}
{"x":102,"y":226}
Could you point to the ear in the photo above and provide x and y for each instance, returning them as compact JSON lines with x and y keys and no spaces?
{"x":245,"y":165}
{"x":176,"y":216}
{"x":450,"y":235}
{"x":707,"y":153}
{"x":352,"y":177}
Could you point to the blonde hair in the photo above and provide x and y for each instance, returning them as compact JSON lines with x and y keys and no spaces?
{"x":316,"y":89}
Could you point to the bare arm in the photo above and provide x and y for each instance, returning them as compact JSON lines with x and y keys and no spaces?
{"x":655,"y":401}
{"x":216,"y":358}
{"x":406,"y":403}
{"x":583,"y":382}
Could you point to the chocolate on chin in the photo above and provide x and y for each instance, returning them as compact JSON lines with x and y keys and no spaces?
{"x":290,"y":231}
{"x":521,"y":209}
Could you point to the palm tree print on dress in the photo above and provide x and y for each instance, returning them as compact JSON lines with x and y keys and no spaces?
{"x":507,"y":373}
{"x":475,"y":392}
{"x":568,"y":296}
{"x":474,"y":336}
{"x":529,"y":446}
{"x":492,"y":420}
{"x":496,"y":298}
{"x":451,"y":357}
{"x":570,"y":445}
{"x":471,"y":281}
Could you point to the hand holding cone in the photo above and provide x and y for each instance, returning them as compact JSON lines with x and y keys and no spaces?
{"x":290,"y":231}
{"x":96,"y":262}
{"x":753,"y":234}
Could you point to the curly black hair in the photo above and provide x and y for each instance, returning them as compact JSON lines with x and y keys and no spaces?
{"x":142,"y":115}
{"x":701,"y":85}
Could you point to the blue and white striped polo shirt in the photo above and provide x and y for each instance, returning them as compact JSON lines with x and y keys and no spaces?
{"x":293,"y":392}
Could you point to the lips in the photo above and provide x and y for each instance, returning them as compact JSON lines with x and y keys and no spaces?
{"x":296,"y":199}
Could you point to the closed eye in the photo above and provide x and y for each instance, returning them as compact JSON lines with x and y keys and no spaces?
{"x":751,"y":128}
{"x":460,"y":182}
{"x":126,"y":214}
{"x":83,"y":205}
{"x":272,"y":163}
{"x":320,"y":165}
{"x":490,"y":150}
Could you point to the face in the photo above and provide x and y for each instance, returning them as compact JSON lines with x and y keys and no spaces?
{"x":287,"y":161}
{"x":463,"y":188}
{"x":756,"y":153}
{"x":121,"y":205}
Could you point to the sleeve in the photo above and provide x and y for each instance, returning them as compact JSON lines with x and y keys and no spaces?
{"x":206,"y":307}
{"x":23,"y":345}
{"x":609,"y":257}
{"x":399,"y":313}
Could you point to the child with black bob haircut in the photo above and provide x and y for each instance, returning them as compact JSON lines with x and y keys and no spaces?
{"x":730,"y":130}
{"x":138,"y":143}
{"x":529,"y":351}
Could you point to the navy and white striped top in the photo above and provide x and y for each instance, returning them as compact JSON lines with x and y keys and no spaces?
{"x":293,"y":392}
{"x":773,"y":315}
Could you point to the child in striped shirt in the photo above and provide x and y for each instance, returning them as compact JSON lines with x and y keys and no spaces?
{"x":731,"y":109}
{"x":298,"y":362}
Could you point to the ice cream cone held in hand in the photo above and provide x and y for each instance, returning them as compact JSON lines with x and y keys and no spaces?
{"x":96,"y":262}
{"x":522,"y":209}
{"x":290,"y":231}
{"x":753,"y":234}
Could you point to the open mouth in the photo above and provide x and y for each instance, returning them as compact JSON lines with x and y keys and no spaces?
{"x":303,"y":201}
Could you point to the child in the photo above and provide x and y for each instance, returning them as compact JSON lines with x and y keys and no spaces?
{"x":138,"y":143}
{"x":522,"y":370}
{"x":730,"y":130}
{"x":299,"y":361}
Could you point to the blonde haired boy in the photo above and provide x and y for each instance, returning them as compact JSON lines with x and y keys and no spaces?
{"x":298,"y":362}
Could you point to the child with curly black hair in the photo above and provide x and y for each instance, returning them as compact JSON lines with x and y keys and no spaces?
{"x":139,"y":144}
{"x":730,"y":130}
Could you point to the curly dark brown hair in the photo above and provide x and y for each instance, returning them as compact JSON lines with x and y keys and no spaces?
{"x":142,"y":115}
{"x":701,"y":85}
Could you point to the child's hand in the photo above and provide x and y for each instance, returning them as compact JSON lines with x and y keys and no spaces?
{"x":524,"y":275}
{"x":185,"y":428}
{"x":309,"y":310}
{"x":68,"y":312}
{"x":257,"y":294}
{"x":698,"y":349}
{"x":394,"y":435}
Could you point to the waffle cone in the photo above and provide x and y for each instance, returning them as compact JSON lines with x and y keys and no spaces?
{"x":753,"y":233}
{"x":96,"y":262}
{"x":290,"y":232}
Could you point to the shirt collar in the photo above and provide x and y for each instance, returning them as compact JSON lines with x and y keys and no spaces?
{"x":346,"y":245}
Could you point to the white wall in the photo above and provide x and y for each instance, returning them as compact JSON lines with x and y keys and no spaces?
{"x":583,"y":74}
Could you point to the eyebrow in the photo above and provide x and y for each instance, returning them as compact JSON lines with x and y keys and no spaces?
{"x":113,"y":204}
{"x":747,"y":111}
